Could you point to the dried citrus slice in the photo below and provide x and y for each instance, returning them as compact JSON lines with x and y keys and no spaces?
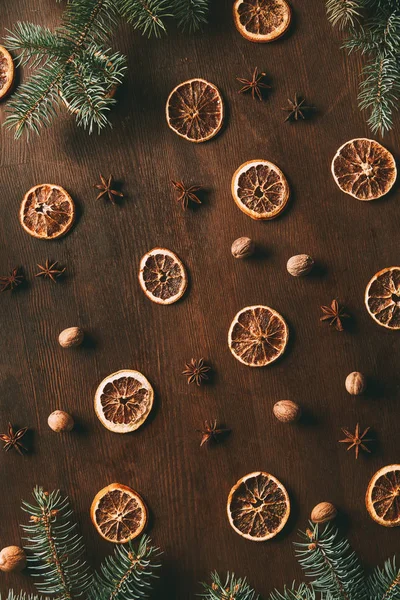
{"x":364,"y":169}
{"x":382,"y":297}
{"x":262,"y":20}
{"x":123,"y":401}
{"x":118,"y":513}
{"x":260,"y":189}
{"x":383,"y":496}
{"x":258,"y":335}
{"x":47,"y":211}
{"x":162,"y":276}
{"x":7,"y":72}
{"x":195,"y":110}
{"x":258,"y":506}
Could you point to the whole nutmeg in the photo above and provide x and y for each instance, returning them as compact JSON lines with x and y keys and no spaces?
{"x":59,"y":421}
{"x":287,"y":411}
{"x":323,"y":512}
{"x":300,"y":265}
{"x":12,"y":558}
{"x":73,"y":336}
{"x":243,"y":247}
{"x":355,"y":383}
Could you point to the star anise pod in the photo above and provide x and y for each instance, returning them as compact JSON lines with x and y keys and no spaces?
{"x":11,"y":281}
{"x":50,"y":271}
{"x":186,"y":194}
{"x":334,"y":314}
{"x":356,"y":440}
{"x":296,"y":108}
{"x":106,"y":189}
{"x":12,"y":439}
{"x":253,"y":85}
{"x":196,"y":371}
{"x":211,"y":432}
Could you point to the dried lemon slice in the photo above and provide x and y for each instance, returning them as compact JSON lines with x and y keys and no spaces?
{"x":123,"y":401}
{"x":262,"y":20}
{"x":7,"y":72}
{"x":383,"y":496}
{"x":382,"y":298}
{"x":162,"y":276}
{"x":47,"y":211}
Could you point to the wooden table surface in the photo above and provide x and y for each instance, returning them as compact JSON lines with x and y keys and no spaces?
{"x":186,"y":486}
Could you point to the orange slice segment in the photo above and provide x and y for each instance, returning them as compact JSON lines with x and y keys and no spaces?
{"x":260,"y":189}
{"x":123,"y":401}
{"x":118,"y":513}
{"x":162,"y":276}
{"x":261,"y":20}
{"x":364,"y":169}
{"x":382,"y":298}
{"x":258,"y":336}
{"x":47,"y":211}
{"x":258,"y":506}
{"x":195,"y":110}
{"x":383,"y":496}
{"x":7,"y":72}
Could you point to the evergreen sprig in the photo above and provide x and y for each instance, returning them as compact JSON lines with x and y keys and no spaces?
{"x":72,"y":66}
{"x":373,"y":28}
{"x":22,"y":596}
{"x":384,"y":584}
{"x":55,"y":550}
{"x":128,"y":574}
{"x":232,"y":589}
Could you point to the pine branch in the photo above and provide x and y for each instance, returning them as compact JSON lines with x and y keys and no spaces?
{"x":344,"y":13}
{"x":146,"y":15}
{"x":331,"y":564}
{"x":55,"y":549}
{"x":128,"y":574}
{"x":232,"y":589}
{"x":302,"y":592}
{"x":22,"y":596}
{"x":34,"y":44}
{"x":384,"y":584}
{"x":191,"y":14}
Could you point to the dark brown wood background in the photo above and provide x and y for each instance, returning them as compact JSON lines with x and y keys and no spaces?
{"x":186,"y":486}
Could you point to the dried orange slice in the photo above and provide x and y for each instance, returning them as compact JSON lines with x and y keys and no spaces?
{"x":47,"y":211}
{"x":162,"y":276}
{"x":7,"y":72}
{"x":260,"y":189}
{"x":383,"y":496}
{"x":364,"y":169}
{"x":118,"y":513}
{"x":262,"y":20}
{"x":258,"y":506}
{"x":123,"y":401}
{"x":382,"y":298}
{"x":195,"y":110}
{"x":258,"y":335}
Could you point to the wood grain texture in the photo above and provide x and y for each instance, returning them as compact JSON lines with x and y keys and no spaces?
{"x":186,"y":487}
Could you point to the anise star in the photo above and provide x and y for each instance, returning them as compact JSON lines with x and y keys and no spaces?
{"x":12,"y":439}
{"x":186,"y":194}
{"x":211,"y":432}
{"x":356,"y":440}
{"x":106,"y":189}
{"x":296,"y":108}
{"x":334,"y":314}
{"x":253,"y":85}
{"x":50,"y":271}
{"x":11,"y":281}
{"x":196,"y":371}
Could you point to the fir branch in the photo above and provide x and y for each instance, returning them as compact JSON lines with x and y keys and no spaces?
{"x":302,"y":592}
{"x":344,"y":13}
{"x":191,"y":14}
{"x":332,"y":565}
{"x":55,"y":549}
{"x":146,"y":15}
{"x":128,"y":574}
{"x":384,"y":584}
{"x":34,"y":44}
{"x":232,"y":589}
{"x":22,"y":596}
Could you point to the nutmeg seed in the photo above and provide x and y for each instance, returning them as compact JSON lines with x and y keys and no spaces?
{"x":323,"y":512}
{"x":73,"y":336}
{"x":287,"y":411}
{"x":243,"y":247}
{"x":355,"y":383}
{"x":12,"y":558}
{"x":60,"y":421}
{"x":300,"y":265}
